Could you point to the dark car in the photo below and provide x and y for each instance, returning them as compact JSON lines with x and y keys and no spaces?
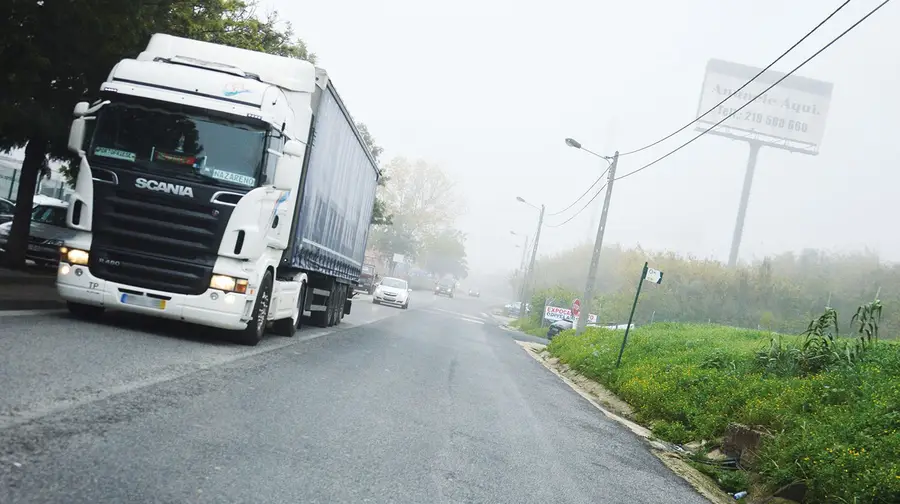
{"x":367,"y":278}
{"x":558,"y":327}
{"x":444,"y":288}
{"x":7,"y":209}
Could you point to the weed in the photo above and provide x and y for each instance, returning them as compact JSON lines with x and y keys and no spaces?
{"x":837,"y":429}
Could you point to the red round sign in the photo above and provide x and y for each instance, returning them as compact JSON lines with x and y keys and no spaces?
{"x":576,"y":307}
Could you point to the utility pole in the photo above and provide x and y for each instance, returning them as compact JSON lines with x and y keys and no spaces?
{"x":524,"y":253}
{"x":530,"y":271}
{"x":598,"y":246}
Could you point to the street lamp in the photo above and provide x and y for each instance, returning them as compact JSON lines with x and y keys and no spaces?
{"x":571,"y":142}
{"x":537,"y":237}
{"x":598,"y":241}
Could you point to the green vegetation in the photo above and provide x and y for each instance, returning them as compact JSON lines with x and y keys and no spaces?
{"x":529,"y":326}
{"x":832,"y":404}
{"x":781,"y":293}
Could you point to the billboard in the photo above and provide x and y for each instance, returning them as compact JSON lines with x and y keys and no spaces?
{"x":794,"y":110}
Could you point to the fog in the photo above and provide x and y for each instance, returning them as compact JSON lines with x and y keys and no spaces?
{"x":489,"y":90}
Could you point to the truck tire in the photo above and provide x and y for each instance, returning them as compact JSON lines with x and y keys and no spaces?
{"x":84,"y":311}
{"x":336,"y":305}
{"x":256,"y":327}
{"x":323,"y":318}
{"x":288,"y":327}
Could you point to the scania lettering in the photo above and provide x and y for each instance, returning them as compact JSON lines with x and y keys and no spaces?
{"x":218,"y":186}
{"x":166,"y":187}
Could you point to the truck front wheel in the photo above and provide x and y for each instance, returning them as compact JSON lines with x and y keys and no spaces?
{"x":289,"y":326}
{"x":256,"y":327}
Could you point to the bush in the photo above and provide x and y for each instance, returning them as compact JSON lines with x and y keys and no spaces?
{"x":530,"y":326}
{"x":835,"y":425}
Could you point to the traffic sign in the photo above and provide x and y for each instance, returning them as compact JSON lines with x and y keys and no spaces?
{"x":576,"y":307}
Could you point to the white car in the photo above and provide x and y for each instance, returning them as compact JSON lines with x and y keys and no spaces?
{"x":392,"y":291}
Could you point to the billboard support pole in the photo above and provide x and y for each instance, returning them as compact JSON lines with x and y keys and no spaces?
{"x":745,"y":198}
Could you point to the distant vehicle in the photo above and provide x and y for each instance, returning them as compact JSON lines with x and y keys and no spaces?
{"x":445,"y":288}
{"x":47,"y":234}
{"x":367,"y":278}
{"x":474,"y":293}
{"x":7,"y":209}
{"x":392,"y":291}
{"x":515,"y":309}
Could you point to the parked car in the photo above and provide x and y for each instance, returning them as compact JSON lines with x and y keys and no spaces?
{"x":515,"y":309}
{"x":392,"y":291}
{"x":367,"y":278}
{"x":7,"y":209}
{"x":47,"y":234}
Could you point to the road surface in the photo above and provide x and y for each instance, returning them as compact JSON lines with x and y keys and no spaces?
{"x":428,"y":405}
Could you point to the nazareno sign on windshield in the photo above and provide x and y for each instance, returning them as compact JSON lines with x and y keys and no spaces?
{"x":794,"y":110}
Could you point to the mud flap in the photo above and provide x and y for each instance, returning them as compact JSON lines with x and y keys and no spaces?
{"x":347,"y":305}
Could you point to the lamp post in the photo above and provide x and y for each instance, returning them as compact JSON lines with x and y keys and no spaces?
{"x":530,"y":271}
{"x":598,"y":241}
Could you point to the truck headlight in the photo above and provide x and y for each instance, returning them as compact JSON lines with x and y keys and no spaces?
{"x":228,"y":284}
{"x":74,"y":256}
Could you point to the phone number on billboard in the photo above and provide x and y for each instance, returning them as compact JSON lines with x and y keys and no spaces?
{"x":759,"y":118}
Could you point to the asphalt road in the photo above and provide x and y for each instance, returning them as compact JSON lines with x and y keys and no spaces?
{"x":428,"y":405}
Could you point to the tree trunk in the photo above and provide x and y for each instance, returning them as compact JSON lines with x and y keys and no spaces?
{"x":35,"y":153}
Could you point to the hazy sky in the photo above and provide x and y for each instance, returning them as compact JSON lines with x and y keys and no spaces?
{"x":489,"y":89}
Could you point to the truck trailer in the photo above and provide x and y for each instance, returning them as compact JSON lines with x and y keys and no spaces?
{"x":218,"y":186}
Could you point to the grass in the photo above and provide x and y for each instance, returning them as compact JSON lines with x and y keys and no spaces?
{"x":529,"y":326}
{"x":835,"y":427}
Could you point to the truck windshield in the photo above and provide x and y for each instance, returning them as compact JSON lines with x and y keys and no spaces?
{"x":165,"y":138}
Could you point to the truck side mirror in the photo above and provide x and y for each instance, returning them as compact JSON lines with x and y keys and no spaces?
{"x":76,"y":136}
{"x":81,"y":109}
{"x":290,"y":164}
{"x":294,"y":148}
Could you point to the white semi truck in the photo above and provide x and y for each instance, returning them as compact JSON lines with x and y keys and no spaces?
{"x":218,"y":186}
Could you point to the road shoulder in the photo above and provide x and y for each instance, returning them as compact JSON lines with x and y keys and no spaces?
{"x":619,"y":411}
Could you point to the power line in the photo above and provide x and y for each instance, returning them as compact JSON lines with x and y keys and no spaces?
{"x":576,"y":214}
{"x":582,"y":194}
{"x":807,"y":60}
{"x":738,"y":90}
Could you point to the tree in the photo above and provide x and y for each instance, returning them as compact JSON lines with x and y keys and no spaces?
{"x":422,"y":202}
{"x":56,"y":53}
{"x":780,"y":293}
{"x":380,"y":216}
{"x":445,"y":254}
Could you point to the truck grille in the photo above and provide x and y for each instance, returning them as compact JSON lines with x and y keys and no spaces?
{"x":155,"y":241}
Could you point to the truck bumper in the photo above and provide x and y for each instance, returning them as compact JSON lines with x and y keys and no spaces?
{"x":213,"y":308}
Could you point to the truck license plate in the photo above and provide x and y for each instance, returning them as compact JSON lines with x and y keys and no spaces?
{"x":146,"y":302}
{"x":34,"y":248}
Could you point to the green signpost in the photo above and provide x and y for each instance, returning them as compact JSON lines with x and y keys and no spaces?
{"x":647,"y":274}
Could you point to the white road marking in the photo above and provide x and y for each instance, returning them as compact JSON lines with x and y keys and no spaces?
{"x":456,"y":315}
